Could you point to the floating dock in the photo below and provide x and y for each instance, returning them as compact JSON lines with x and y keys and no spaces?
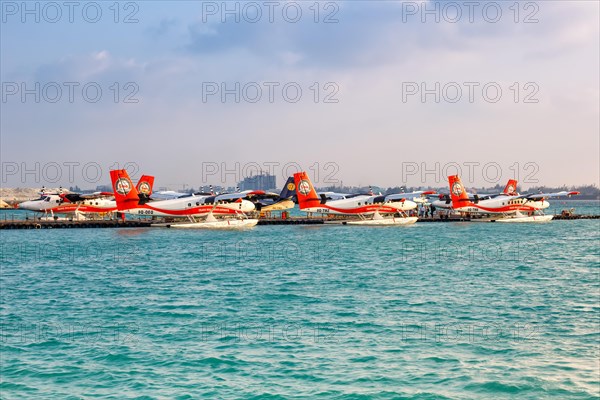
{"x":62,"y":224}
{"x":560,"y":216}
{"x":29,"y":224}
{"x":291,"y":221}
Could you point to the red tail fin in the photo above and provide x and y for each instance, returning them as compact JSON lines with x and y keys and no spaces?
{"x":126,"y":195}
{"x":145,"y":185}
{"x":511,"y":187}
{"x":307,"y":196}
{"x":459,"y":195}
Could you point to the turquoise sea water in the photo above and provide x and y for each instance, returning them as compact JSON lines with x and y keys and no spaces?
{"x":448,"y":310}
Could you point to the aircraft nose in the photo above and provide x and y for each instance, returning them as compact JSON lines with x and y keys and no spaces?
{"x":29,"y":205}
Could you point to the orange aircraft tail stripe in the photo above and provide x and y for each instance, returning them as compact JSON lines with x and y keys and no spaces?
{"x":126,"y":194}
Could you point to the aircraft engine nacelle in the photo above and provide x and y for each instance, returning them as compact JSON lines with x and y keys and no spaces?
{"x":243,"y":206}
{"x":247,"y":206}
{"x":441,"y":204}
{"x":541,"y":205}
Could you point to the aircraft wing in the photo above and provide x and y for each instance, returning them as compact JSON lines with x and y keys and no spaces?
{"x":541,"y":196}
{"x":76,"y":197}
{"x":333,"y":195}
{"x":96,"y":195}
{"x":409,"y":196}
{"x":167,"y":195}
{"x":246,"y":194}
{"x":266,"y":195}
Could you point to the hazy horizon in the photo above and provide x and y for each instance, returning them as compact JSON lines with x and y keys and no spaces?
{"x":159,"y":186}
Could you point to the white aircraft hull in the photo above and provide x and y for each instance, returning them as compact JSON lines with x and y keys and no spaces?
{"x":384,"y":221}
{"x":533,"y":218}
{"x":227,"y":224}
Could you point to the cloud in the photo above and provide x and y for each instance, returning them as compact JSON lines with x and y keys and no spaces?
{"x":99,"y":65}
{"x":369,"y":53}
{"x":386,"y":32}
{"x":163,"y":28}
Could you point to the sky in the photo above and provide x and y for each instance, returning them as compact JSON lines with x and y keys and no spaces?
{"x":384,"y":93}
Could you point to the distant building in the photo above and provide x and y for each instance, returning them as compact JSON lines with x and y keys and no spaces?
{"x":263,"y":181}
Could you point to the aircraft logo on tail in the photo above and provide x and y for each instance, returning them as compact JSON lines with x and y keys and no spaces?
{"x":511,"y":187}
{"x":289,"y":189}
{"x":123,"y":186}
{"x":457,"y":188}
{"x":144,"y":188}
{"x":304,"y":187}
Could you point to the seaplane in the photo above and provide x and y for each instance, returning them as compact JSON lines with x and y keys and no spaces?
{"x":190,"y":206}
{"x":368,"y":207}
{"x":264,"y":202}
{"x":277,"y":202}
{"x":445,"y":201}
{"x":504,"y":207}
{"x":81,"y":206}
